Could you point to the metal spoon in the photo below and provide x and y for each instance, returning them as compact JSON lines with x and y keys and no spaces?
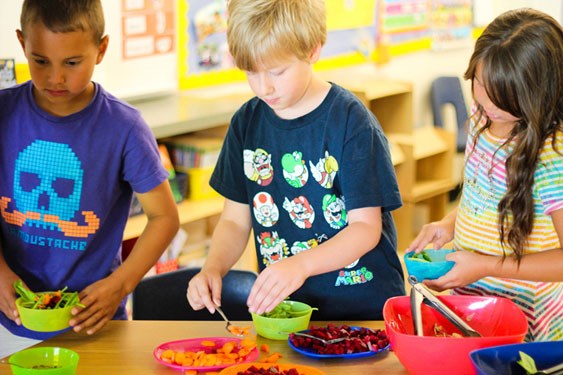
{"x":6,"y":362}
{"x":554,"y":370}
{"x":332,"y":341}
{"x":229,"y":326}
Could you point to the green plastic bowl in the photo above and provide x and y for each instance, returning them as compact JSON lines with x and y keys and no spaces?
{"x":44,"y":360}
{"x":280,"y":328}
{"x":44,"y":320}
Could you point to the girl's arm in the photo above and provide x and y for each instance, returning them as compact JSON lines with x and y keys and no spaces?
{"x":544,"y":266}
{"x":102,"y":298}
{"x":280,"y":279}
{"x":227,"y":246}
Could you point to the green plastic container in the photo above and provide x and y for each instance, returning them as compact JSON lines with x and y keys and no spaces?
{"x":44,"y":320}
{"x":280,"y":328}
{"x":44,"y":360}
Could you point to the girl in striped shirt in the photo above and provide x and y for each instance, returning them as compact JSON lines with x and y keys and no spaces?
{"x":508,"y":225}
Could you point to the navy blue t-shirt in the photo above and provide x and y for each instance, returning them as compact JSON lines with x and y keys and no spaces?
{"x":300,"y":178}
{"x":65,"y":188}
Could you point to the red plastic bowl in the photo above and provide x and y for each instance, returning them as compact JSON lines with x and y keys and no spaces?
{"x":499,"y":321}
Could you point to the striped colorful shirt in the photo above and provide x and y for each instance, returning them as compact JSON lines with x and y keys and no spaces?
{"x":476,"y":228}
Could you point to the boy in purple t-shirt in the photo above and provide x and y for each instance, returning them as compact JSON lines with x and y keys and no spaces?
{"x":71,"y":156}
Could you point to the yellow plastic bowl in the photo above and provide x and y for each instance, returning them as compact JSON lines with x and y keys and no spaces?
{"x":280,"y":328}
{"x":44,"y":320}
{"x":44,"y":360}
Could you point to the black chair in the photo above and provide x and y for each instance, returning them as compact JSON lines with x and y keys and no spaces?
{"x":447,"y":90}
{"x":163,"y":296}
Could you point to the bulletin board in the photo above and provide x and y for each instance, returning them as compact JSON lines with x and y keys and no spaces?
{"x":142,"y":53}
{"x":203,"y":57}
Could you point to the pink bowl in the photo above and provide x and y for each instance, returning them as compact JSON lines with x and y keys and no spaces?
{"x":498,"y":320}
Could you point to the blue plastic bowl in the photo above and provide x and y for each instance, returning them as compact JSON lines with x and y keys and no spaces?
{"x":502,"y":359}
{"x":438,"y":266}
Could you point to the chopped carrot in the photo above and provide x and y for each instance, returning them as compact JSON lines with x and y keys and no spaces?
{"x":190,"y":372}
{"x":229,"y":353}
{"x":272,"y":358}
{"x":264,"y":348}
{"x":239,"y":331}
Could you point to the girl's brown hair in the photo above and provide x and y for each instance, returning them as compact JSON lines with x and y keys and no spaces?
{"x":521,"y":57}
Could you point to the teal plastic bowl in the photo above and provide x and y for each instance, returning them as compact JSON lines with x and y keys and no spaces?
{"x":434,"y":268}
{"x":44,"y":360}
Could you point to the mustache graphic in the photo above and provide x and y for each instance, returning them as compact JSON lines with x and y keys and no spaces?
{"x":69,"y":228}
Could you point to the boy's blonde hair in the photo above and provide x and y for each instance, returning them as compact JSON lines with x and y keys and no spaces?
{"x":63,"y":16}
{"x":265,"y":31}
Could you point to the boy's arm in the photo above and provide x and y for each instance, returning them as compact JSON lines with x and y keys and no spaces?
{"x":7,"y":292}
{"x":227,"y":246}
{"x":103,"y":297}
{"x":280,"y":279}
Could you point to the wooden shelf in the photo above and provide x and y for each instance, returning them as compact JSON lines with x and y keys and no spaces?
{"x":188,"y":211}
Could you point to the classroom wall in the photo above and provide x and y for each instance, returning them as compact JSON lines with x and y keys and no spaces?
{"x":156,"y":74}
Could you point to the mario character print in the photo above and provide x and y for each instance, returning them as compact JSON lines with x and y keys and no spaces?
{"x":334,"y":211}
{"x":265,"y":210}
{"x":272,"y":248}
{"x":325,"y":170}
{"x":300,"y":212}
{"x":258,"y":166}
{"x":294,"y":169}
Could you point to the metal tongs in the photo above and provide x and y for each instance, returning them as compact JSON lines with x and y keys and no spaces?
{"x":421,"y":294}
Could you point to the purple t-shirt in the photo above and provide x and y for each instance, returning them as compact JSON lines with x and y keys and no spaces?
{"x":65,"y":189}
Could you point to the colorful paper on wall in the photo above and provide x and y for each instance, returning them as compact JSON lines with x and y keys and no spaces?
{"x":148,"y":28}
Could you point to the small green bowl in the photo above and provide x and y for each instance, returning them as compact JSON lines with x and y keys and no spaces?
{"x":44,"y":360}
{"x":44,"y":320}
{"x":280,"y":328}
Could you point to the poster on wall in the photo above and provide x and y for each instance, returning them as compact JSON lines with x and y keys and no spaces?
{"x":451,"y":24}
{"x":404,"y":25}
{"x":7,"y":73}
{"x":148,"y":28}
{"x":204,"y":55}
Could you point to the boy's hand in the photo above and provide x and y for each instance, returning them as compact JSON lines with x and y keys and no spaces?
{"x":275,"y":283}
{"x":8,"y":295}
{"x":101,"y":300}
{"x":204,"y":290}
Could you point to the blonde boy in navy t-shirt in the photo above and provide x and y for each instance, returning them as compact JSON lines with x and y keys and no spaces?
{"x":306,"y":166}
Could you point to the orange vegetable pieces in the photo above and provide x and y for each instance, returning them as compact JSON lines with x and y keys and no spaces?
{"x":265,"y":348}
{"x":190,"y":372}
{"x":167,"y":355}
{"x":272,"y":358}
{"x":211,"y":354}
{"x":239,"y":331}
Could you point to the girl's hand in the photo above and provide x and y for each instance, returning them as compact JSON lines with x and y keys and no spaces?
{"x":276,"y":283}
{"x":101,"y":300}
{"x":204,"y":290}
{"x":469,"y":267}
{"x":8,"y":295}
{"x":439,"y":233}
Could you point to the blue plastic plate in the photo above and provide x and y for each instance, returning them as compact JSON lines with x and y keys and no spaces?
{"x":310,"y":353}
{"x":502,"y":359}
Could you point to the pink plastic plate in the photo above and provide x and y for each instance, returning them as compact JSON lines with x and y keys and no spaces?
{"x":194,"y":345}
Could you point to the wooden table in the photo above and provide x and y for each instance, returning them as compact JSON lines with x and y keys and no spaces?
{"x":125,"y":347}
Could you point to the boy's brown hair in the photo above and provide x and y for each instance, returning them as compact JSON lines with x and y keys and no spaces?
{"x":62,"y":16}
{"x":264,"y":31}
